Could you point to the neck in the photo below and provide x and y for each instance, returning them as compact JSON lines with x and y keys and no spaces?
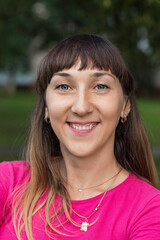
{"x":89,"y":171}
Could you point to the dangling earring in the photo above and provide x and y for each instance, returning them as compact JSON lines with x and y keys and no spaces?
{"x":124,"y":119}
{"x":46,"y":119}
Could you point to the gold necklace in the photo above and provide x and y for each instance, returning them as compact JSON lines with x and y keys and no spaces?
{"x":82,"y":189}
{"x":85,"y":224}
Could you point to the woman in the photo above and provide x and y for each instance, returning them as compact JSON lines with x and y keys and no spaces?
{"x":89,"y":172}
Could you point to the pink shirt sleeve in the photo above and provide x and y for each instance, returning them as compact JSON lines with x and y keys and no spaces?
{"x":146,"y":226}
{"x":11,"y":175}
{"x":4,"y":187}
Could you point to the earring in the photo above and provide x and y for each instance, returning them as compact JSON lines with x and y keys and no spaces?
{"x":124,"y":119}
{"x":46,"y":119}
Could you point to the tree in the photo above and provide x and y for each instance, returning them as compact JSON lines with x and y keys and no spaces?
{"x":131,"y":24}
{"x":16,"y":32}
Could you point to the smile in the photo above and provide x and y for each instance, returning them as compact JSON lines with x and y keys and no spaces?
{"x":82,"y":127}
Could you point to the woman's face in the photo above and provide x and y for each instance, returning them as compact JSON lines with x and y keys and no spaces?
{"x":84,"y":108}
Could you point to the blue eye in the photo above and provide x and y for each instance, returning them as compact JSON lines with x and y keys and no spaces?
{"x":101,"y":87}
{"x":63,"y":87}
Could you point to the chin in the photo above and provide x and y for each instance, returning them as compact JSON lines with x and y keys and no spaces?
{"x":78,"y":151}
{"x":81,"y":154}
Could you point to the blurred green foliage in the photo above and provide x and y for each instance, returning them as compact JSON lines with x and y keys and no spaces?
{"x":15,"y":117}
{"x":28,"y":26}
{"x":16,"y":114}
{"x":150,"y":114}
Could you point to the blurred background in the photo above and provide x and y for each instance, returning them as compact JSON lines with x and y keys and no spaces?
{"x":29,"y":28}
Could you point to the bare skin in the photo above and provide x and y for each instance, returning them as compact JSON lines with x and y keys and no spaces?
{"x":84,"y":108}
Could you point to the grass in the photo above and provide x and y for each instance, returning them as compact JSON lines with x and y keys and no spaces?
{"x":15,"y":117}
{"x":150,"y":114}
{"x":16,"y":111}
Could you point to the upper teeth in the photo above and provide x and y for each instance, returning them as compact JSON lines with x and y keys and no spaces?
{"x":87,"y":127}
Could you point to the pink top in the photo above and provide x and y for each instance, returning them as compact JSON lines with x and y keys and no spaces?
{"x":130,"y":211}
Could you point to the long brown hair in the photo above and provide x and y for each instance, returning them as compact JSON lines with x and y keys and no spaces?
{"x":132,"y":149}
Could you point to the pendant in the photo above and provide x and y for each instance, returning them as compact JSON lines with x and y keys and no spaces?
{"x":80,"y":190}
{"x":84,"y":226}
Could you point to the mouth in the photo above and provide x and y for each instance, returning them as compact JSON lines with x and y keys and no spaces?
{"x":83,"y":127}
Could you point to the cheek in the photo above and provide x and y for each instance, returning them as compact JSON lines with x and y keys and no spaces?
{"x":56,"y":112}
{"x":56,"y":107}
{"x":56,"y":115}
{"x":111,"y":108}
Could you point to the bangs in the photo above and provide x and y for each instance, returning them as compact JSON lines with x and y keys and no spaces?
{"x":84,"y":49}
{"x":90,"y":50}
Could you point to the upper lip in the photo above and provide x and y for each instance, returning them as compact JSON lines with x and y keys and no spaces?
{"x":83,"y":123}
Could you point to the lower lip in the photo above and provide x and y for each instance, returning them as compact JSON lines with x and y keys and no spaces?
{"x":82,"y":132}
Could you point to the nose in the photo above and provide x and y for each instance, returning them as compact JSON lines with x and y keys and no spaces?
{"x":82,"y":104}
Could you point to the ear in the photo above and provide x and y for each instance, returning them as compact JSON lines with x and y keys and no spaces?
{"x":46,"y":116}
{"x":126,"y":108}
{"x":46,"y":112}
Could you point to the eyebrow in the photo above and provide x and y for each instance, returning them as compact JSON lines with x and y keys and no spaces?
{"x":99,"y":74}
{"x":63,"y":74}
{"x":96,"y":74}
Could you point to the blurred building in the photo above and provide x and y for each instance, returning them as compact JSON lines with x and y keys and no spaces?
{"x":27,"y":79}
{"x":22,"y":79}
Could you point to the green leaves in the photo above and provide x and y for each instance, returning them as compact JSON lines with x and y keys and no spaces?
{"x":130,"y":24}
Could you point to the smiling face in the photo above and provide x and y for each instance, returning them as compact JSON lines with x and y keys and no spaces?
{"x":84,"y":108}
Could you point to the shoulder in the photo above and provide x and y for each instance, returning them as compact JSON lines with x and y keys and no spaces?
{"x":142,"y":202}
{"x":139,"y":188}
{"x":143,"y":193}
{"x":138,"y":204}
{"x":137,"y":197}
{"x":13,"y":174}
{"x":14,"y":167}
